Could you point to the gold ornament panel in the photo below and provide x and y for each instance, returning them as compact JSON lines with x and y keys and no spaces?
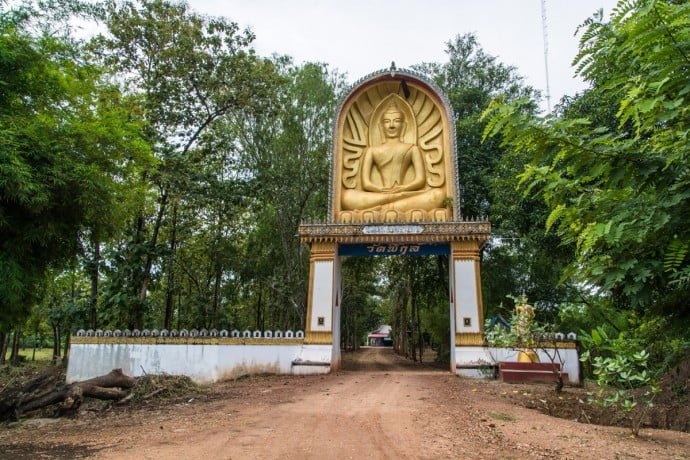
{"x":393,"y":159}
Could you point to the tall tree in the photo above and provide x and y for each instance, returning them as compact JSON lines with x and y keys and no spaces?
{"x":620,"y":193}
{"x":68,"y":141}
{"x":286,"y":154}
{"x":513,"y":261}
{"x":471,"y":78}
{"x":191,"y":72}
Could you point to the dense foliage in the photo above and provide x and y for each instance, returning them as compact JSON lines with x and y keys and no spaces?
{"x":612,"y":166}
{"x":69,"y":144}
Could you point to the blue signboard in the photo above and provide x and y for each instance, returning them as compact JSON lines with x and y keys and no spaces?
{"x":393,"y":249}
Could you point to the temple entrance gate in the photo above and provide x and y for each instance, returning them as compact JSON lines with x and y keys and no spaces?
{"x":393,"y":191}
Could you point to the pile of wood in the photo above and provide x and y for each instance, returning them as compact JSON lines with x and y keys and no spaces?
{"x":48,"y":389}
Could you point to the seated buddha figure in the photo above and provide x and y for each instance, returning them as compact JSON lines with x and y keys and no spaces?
{"x":392,"y":171}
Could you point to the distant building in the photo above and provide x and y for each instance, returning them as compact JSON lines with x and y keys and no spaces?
{"x":381,"y":337}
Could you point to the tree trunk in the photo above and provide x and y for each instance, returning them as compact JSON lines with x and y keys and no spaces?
{"x":216,"y":296}
{"x":348,"y":332}
{"x":218,"y":270}
{"x":394,"y":331}
{"x":259,"y":310}
{"x":56,"y":343}
{"x":3,"y":346}
{"x":14,"y":356}
{"x":36,"y":339}
{"x":146,"y":275}
{"x":179,"y":309}
{"x":355,"y":341}
{"x":146,"y":278}
{"x":405,"y":324}
{"x":344,"y":329}
{"x":93,"y":273}
{"x":420,"y":339}
{"x":411,"y":330}
{"x":170,"y":288}
{"x":65,"y":352}
{"x":45,"y":391}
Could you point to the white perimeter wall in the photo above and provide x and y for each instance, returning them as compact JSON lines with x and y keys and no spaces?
{"x":202,"y":363}
{"x":212,"y":362}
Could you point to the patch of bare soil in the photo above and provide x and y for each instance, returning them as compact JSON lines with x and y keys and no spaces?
{"x":672,"y":405}
{"x":379,"y":406}
{"x":671,"y":409}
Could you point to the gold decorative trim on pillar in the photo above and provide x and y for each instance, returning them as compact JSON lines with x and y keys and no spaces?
{"x":465,"y":250}
{"x":318,"y":338}
{"x":469,"y":339}
{"x":322,"y":251}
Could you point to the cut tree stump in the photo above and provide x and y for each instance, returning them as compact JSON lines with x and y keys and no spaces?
{"x":46,"y":390}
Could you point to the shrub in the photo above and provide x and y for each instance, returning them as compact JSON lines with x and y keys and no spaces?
{"x":625,"y":383}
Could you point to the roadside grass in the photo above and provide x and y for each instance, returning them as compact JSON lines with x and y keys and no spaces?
{"x":42,"y":354}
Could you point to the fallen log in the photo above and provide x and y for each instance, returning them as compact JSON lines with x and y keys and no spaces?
{"x":46,"y":391}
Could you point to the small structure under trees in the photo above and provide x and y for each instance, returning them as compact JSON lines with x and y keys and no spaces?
{"x":381,"y":337}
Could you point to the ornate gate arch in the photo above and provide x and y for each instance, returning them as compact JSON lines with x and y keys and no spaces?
{"x":393,"y":190}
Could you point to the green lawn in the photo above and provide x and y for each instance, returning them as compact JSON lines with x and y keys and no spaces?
{"x":42,"y":354}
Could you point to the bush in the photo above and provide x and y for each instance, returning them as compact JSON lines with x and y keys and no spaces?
{"x":625,"y":383}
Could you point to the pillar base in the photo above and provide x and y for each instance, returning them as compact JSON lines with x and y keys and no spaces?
{"x":313,"y":359}
{"x":474,"y":362}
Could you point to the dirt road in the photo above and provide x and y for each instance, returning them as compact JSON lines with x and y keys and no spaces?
{"x":379,"y":406}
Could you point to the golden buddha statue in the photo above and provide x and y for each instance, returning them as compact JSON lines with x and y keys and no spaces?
{"x":393,"y":175}
{"x":524,"y":314}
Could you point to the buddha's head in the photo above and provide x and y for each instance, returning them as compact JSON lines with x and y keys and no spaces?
{"x":393,"y":121}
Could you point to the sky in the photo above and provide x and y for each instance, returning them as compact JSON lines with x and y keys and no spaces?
{"x":358,"y":37}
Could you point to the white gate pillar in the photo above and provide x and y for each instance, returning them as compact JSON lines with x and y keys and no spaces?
{"x":323,"y":299}
{"x":467,"y":323}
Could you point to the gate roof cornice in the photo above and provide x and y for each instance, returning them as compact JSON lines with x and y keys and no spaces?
{"x":415,"y":232}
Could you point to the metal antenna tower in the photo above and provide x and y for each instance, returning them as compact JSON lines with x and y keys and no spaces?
{"x":546,"y":54}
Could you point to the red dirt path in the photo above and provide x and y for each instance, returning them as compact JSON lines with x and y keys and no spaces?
{"x":379,"y":406}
